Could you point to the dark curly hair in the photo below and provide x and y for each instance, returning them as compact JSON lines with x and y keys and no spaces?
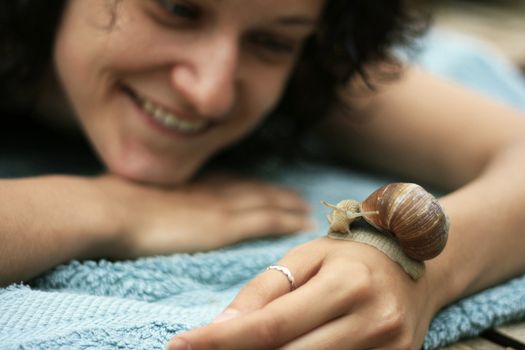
{"x":352,"y":34}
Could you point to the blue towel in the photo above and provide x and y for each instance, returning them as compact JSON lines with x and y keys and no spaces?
{"x":141,"y":304}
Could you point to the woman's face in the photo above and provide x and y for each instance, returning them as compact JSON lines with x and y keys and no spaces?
{"x":161,"y":85}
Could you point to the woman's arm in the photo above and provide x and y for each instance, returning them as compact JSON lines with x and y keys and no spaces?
{"x":351,"y":295}
{"x":431,"y":130}
{"x":47,"y":221}
{"x":50,"y":220}
{"x":425,"y":128}
{"x":487,"y":237}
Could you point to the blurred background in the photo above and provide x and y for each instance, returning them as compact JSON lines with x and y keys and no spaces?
{"x":501,"y":23}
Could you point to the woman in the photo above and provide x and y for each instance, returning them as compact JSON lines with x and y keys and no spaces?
{"x":161,"y":86}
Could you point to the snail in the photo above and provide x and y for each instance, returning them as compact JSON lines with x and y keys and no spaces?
{"x":404,"y":211}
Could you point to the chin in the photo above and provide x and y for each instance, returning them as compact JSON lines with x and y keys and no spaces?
{"x":156,"y":179}
{"x":153,"y":174}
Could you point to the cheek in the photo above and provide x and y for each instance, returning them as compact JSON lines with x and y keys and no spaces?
{"x":267,"y":88}
{"x":92,"y":44}
{"x":261,"y":91}
{"x":78,"y":54}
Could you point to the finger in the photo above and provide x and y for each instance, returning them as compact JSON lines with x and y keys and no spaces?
{"x":246,"y":196}
{"x":246,"y":193}
{"x":268,"y":221}
{"x":349,"y":332}
{"x":271,"y":284}
{"x":318,"y":301}
{"x":286,"y":198}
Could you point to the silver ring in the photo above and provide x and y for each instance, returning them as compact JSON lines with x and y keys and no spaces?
{"x":285,"y":271}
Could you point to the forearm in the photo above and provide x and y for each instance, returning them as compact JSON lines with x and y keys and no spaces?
{"x":422,"y":126}
{"x":486,"y":240}
{"x":46,"y":221}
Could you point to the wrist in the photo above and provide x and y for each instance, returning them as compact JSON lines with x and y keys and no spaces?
{"x":442,"y":282}
{"x":110,"y":213}
{"x":50,"y":220}
{"x":94,"y":220}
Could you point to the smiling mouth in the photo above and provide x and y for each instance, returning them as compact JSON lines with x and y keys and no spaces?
{"x":166,"y":118}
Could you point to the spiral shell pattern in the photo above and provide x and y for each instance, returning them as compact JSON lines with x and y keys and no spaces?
{"x":411,"y":215}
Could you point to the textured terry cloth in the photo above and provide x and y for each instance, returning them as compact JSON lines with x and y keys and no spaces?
{"x":141,"y":304}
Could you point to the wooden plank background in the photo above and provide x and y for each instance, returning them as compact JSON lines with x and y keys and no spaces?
{"x":510,"y":336}
{"x":500,"y":23}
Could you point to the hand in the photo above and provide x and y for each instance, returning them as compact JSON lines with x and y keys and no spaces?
{"x":349,"y":296}
{"x":212,"y":212}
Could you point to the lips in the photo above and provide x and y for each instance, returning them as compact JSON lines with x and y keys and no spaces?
{"x":165,"y":117}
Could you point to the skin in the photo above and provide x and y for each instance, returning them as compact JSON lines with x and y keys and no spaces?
{"x":379,"y":307}
{"x":214,"y":69}
{"x":228,"y":68}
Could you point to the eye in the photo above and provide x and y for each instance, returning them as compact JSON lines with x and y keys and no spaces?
{"x":272,"y":43}
{"x":181,"y":9}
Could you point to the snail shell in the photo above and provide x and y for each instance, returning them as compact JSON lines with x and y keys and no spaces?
{"x":411,"y":215}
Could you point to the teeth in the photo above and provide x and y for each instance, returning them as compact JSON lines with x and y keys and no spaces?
{"x":168,"y":119}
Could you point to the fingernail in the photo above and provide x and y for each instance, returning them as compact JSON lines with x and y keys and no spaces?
{"x":178,"y":344}
{"x":226,"y":315}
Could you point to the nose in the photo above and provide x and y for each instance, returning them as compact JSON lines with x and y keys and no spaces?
{"x":207,"y":79}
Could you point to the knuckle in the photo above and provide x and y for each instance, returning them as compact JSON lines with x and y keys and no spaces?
{"x":274,"y":221}
{"x":213,"y":342}
{"x":266,"y":196}
{"x":404,"y":342}
{"x":362,"y":284}
{"x":221,"y":220}
{"x":285,"y":196}
{"x":393,"y":322}
{"x":270,"y":332}
{"x":214,"y":202}
{"x":348,"y":284}
{"x":257,"y":292}
{"x":339,"y":294}
{"x":282,"y":196}
{"x":334,"y":282}
{"x":222,"y":215}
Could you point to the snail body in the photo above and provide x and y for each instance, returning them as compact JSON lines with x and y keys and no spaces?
{"x":344,"y":213}
{"x":404,"y":211}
